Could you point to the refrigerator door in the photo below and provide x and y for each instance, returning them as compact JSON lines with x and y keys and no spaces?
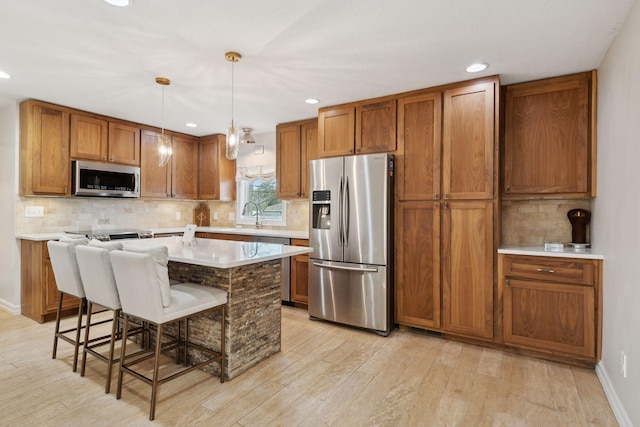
{"x":353,"y":294}
{"x":326,"y":188}
{"x":366,"y":209}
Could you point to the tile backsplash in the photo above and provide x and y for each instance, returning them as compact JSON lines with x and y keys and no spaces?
{"x":538,"y":221}
{"x":70,"y":214}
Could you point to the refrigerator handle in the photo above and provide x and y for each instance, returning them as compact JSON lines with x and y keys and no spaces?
{"x":347,"y":212}
{"x":346,"y":268}
{"x":340,"y":195}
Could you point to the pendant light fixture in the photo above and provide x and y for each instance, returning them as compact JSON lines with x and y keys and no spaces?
{"x":233,"y":134}
{"x":164,"y":141}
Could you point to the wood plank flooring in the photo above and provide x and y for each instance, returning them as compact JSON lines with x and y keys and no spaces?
{"x":325,"y":375}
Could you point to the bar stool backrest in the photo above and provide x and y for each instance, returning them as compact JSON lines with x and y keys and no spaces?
{"x":138,"y":285}
{"x":65,"y":268}
{"x":97,"y":276}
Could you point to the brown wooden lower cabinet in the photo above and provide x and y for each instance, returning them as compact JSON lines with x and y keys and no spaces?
{"x":552,"y":304}
{"x":300,"y":274}
{"x":39,"y":293}
{"x":224,"y":236}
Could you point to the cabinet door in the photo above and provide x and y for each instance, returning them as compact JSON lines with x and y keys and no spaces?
{"x":155,"y":180}
{"x":550,"y":316}
{"x":336,"y":132}
{"x":50,"y":165}
{"x":288,"y":155}
{"x":419,"y":147}
{"x":468,"y":142}
{"x":124,"y":144}
{"x":184,"y":167}
{"x":88,"y":138}
{"x":208,"y":168}
{"x":300,"y":279}
{"x":309,"y":146}
{"x":376,"y":127}
{"x":417,"y":271}
{"x":467,"y":268}
{"x":547,"y":136}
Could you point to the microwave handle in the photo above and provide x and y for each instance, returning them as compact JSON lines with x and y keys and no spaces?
{"x":137,"y":183}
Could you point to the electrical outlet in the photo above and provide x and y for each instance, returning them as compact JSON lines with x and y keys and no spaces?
{"x":232,"y":216}
{"x":623,"y":364}
{"x":178,"y":216}
{"x":34,"y":212}
{"x":215,"y":216}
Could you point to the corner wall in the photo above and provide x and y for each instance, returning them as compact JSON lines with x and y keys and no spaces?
{"x":9,"y":275}
{"x":614,"y":227}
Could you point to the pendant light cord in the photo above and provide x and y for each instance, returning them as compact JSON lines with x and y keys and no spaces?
{"x":162,"y":114}
{"x":232,"y":85}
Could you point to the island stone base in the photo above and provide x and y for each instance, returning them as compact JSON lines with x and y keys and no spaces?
{"x":253,"y":313}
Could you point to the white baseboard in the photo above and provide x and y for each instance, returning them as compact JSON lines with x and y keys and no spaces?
{"x":612,"y":397}
{"x":9,"y":307}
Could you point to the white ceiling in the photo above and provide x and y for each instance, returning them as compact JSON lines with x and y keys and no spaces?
{"x":92,"y":56}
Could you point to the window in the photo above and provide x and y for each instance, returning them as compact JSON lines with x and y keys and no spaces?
{"x":259,"y":193}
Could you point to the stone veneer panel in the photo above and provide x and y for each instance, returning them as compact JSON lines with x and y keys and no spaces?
{"x":538,"y":221}
{"x":253,"y":315}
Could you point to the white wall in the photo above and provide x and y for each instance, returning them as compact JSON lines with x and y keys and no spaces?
{"x":616,"y":211}
{"x":9,"y":273}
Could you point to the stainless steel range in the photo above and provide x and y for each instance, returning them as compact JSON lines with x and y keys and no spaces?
{"x":117,"y":234}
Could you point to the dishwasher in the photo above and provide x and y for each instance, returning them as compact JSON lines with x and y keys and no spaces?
{"x":286,"y":264}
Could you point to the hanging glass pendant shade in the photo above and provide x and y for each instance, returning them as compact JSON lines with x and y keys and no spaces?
{"x":233,"y":133}
{"x":164,"y":141}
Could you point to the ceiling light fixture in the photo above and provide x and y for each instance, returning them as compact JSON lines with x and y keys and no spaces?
{"x":247,"y":138}
{"x":4,"y":75}
{"x":232,"y":131}
{"x":191,"y":125}
{"x":164,"y":141}
{"x":477,"y":67}
{"x":311,"y":101}
{"x":119,"y":3}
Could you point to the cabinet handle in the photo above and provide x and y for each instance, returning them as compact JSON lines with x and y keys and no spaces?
{"x":506,"y":283}
{"x":445,"y":205}
{"x":508,"y":190}
{"x":545,"y":270}
{"x":104,"y":158}
{"x":435,"y":205}
{"x":435,"y":196}
{"x":65,"y":189}
{"x":446,"y":195}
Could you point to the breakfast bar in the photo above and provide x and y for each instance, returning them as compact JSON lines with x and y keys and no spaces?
{"x":250,"y":274}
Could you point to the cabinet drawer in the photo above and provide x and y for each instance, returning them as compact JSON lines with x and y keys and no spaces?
{"x":550,"y":269}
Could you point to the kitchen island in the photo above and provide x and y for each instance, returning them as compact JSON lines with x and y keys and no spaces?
{"x":250,"y":274}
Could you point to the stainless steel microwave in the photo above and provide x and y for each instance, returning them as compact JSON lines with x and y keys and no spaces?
{"x":104,"y":179}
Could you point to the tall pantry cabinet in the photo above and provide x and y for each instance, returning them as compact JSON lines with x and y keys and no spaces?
{"x":446,"y":206}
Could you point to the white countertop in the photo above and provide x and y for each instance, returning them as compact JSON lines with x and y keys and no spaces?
{"x":538,"y":250}
{"x":289,"y":234}
{"x":245,"y":231}
{"x":221,"y":253}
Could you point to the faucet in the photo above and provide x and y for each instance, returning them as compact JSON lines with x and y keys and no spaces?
{"x":244,"y":210}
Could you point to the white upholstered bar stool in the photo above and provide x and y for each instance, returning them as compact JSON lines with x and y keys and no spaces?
{"x":100,"y":288}
{"x":141,"y":296}
{"x":67,"y":275}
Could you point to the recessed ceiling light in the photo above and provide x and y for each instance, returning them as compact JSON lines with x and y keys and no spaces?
{"x":191,"y":125}
{"x":4,"y":75}
{"x":312,"y":101}
{"x":119,"y":3}
{"x":475,"y":68}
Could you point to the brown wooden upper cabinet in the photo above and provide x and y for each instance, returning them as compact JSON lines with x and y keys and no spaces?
{"x":358,"y":128}
{"x":216,"y":173}
{"x":179,"y":178}
{"x":550,"y":138}
{"x":95,"y":138}
{"x":296,"y":145}
{"x":468,"y":141}
{"x":45,"y":168}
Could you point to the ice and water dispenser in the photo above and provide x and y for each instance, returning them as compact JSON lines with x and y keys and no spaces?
{"x":321,"y":213}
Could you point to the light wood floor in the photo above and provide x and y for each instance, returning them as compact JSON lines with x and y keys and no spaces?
{"x":325,"y":375}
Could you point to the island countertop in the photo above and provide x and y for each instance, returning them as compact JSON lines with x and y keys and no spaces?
{"x":221,"y":253}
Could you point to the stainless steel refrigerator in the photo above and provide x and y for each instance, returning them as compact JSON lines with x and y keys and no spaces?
{"x":350,"y":231}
